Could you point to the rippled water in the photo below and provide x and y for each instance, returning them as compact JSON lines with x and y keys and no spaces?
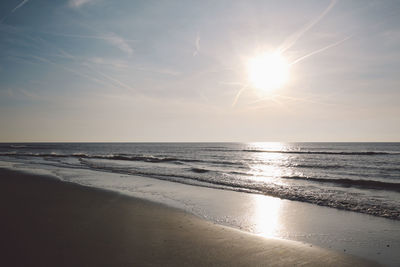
{"x":361,"y":177}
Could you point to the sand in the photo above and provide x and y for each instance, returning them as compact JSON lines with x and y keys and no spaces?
{"x":46,"y":222}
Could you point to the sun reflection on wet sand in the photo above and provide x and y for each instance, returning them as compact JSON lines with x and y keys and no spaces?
{"x":266,"y":216}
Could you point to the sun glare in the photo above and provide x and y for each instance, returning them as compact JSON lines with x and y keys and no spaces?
{"x":268,"y":71}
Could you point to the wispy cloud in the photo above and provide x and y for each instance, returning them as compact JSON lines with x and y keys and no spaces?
{"x":20,"y":94}
{"x":30,"y":95}
{"x":197,"y":44}
{"x":113,"y":80}
{"x":391,"y":37}
{"x":119,"y":42}
{"x":86,"y":72}
{"x":83,"y":36}
{"x":79,"y":3}
{"x":113,"y":63}
{"x":158,"y":71}
{"x":79,"y":73}
{"x":111,"y":38}
{"x":122,"y":65}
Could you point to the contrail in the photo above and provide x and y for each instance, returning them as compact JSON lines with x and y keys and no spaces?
{"x":238,"y":94}
{"x":111,"y":38}
{"x":293,"y":39}
{"x":106,"y":80}
{"x":73,"y":71}
{"x":20,"y":5}
{"x":303,"y":99}
{"x":100,"y":37}
{"x":319,"y":51}
{"x":112,"y":79}
{"x":14,"y":9}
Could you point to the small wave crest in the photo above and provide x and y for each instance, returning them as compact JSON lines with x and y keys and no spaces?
{"x":367,"y":184}
{"x":315,"y":166}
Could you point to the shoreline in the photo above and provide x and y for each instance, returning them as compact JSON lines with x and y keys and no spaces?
{"x":53,"y":222}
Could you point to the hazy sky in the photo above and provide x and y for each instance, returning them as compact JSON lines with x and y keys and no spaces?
{"x":98,"y":70}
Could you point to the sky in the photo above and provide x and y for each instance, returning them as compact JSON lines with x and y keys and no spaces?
{"x":167,"y":71}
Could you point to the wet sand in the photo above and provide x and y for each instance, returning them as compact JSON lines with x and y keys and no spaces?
{"x":46,"y":222}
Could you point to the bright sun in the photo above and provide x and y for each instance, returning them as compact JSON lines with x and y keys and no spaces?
{"x":268,"y":71}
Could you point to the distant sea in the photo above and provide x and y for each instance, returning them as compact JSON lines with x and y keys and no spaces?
{"x":359,"y":177}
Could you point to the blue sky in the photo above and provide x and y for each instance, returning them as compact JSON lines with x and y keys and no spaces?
{"x":98,"y":70}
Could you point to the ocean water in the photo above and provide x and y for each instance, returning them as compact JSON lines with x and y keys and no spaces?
{"x":359,"y":177}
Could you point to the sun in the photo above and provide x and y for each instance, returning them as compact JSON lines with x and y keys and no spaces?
{"x":268,"y":71}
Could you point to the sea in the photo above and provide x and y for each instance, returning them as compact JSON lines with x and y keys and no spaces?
{"x":357,"y":177}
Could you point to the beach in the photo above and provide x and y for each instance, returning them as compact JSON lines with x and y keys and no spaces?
{"x":48,"y":222}
{"x":199,"y":133}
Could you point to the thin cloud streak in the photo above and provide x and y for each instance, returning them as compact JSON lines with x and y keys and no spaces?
{"x":290,"y":41}
{"x":319,"y":51}
{"x":111,"y":79}
{"x":111,"y":38}
{"x":91,"y":78}
{"x":79,"y":3}
{"x":120,"y":43}
{"x":14,"y":9}
{"x":113,"y":63}
{"x":158,"y":71}
{"x":238,"y":94}
{"x":99,"y":37}
{"x":105,"y":79}
{"x":197,"y":44}
{"x":20,"y":5}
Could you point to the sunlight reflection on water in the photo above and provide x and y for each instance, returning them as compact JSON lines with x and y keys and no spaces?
{"x":268,"y":167}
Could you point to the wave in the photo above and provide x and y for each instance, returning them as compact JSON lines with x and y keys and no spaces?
{"x":272,"y":189}
{"x":314,"y":166}
{"x":198,"y":170}
{"x":18,"y":146}
{"x":158,"y":159}
{"x":360,"y":153}
{"x":366,"y":184}
{"x":29,"y":146}
{"x":125,"y":157}
{"x":243,"y":164}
